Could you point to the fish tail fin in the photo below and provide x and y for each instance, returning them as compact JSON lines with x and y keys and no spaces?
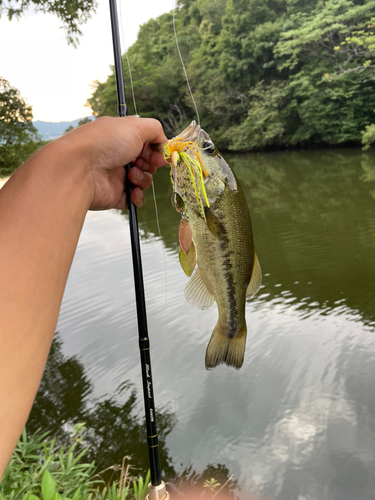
{"x":222,"y":349}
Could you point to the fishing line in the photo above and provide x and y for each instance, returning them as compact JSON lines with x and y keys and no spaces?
{"x":183,"y":65}
{"x":131,"y":80}
{"x":127,"y":60}
{"x":136,"y":112}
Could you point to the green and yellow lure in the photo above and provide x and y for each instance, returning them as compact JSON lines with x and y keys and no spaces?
{"x":187,"y":172}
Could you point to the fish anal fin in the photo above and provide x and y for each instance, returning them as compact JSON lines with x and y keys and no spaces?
{"x":197,"y":293}
{"x":256,"y":279}
{"x":223,"y":349}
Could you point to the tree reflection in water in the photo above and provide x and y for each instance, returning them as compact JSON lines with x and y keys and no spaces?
{"x":115,"y":428}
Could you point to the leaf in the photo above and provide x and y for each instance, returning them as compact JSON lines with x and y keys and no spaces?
{"x":48,"y":486}
{"x":212,"y":484}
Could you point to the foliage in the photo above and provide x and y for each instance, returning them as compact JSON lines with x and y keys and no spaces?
{"x":211,"y":484}
{"x":265,"y":122}
{"x":265,"y":73}
{"x":68,"y":129}
{"x":40,"y":470}
{"x":214,"y":482}
{"x":38,"y":467}
{"x":18,"y":136}
{"x":140,"y":487}
{"x":368,"y":137}
{"x":72,"y":13}
{"x":84,"y":121}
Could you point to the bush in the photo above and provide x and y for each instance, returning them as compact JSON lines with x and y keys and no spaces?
{"x":39,"y":470}
{"x":368,"y":137}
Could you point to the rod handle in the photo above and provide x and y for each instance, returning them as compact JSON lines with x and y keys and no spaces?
{"x":158,"y":492}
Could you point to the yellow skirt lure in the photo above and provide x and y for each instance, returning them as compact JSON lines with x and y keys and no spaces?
{"x":187,"y":172}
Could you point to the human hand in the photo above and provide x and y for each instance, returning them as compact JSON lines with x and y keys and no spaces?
{"x":106,"y":146}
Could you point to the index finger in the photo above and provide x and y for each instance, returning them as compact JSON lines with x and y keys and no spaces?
{"x":152,"y":157}
{"x":152,"y":132}
{"x":149,"y":130}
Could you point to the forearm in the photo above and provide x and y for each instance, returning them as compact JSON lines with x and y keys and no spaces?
{"x":42,"y":210}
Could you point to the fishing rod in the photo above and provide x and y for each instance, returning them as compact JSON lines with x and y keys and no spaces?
{"x":156,"y":489}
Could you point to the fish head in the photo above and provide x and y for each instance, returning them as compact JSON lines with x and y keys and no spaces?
{"x":213,"y":162}
{"x":199,"y":173}
{"x":216,"y":171}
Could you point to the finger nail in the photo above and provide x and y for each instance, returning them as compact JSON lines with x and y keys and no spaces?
{"x":139,"y":175}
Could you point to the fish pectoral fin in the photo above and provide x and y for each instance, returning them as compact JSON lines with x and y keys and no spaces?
{"x":256,"y":279}
{"x":214,"y":225}
{"x":197,"y":294}
{"x":223,"y":349}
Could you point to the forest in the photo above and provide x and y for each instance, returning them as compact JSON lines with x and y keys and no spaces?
{"x":265,"y":73}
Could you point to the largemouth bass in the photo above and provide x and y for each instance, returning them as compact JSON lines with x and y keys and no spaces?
{"x":216,"y":234}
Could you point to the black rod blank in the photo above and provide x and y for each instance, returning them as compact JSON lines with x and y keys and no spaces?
{"x":144,"y":344}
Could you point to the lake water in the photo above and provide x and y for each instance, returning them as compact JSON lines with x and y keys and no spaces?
{"x":297,"y":422}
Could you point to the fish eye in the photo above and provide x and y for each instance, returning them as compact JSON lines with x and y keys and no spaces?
{"x":208,"y":147}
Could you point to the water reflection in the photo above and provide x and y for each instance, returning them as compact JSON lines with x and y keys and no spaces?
{"x":116,"y":428}
{"x":297,"y":422}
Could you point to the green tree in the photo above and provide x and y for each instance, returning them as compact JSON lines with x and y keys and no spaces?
{"x":368,"y":137}
{"x":72,"y":13}
{"x":84,"y":121}
{"x":68,"y":129}
{"x":264,"y":73}
{"x":333,"y":104}
{"x":18,"y":136}
{"x":158,"y":79}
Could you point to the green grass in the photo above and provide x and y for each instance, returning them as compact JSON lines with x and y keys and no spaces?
{"x":40,"y":470}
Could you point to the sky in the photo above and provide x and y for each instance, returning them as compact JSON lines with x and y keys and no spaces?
{"x":56,"y":78}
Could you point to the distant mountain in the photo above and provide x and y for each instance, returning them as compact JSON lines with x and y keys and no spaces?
{"x":53,"y":130}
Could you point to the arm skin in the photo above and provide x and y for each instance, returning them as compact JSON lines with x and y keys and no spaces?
{"x":42,"y":210}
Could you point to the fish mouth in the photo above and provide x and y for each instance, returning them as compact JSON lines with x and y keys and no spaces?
{"x":191,"y":133}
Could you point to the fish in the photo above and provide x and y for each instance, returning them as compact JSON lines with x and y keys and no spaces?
{"x":216,"y":240}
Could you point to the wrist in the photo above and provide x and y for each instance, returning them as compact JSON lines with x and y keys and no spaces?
{"x":62,"y":165}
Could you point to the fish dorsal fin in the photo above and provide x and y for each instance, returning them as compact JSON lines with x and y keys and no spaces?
{"x":256,"y":279}
{"x":197,"y":294}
